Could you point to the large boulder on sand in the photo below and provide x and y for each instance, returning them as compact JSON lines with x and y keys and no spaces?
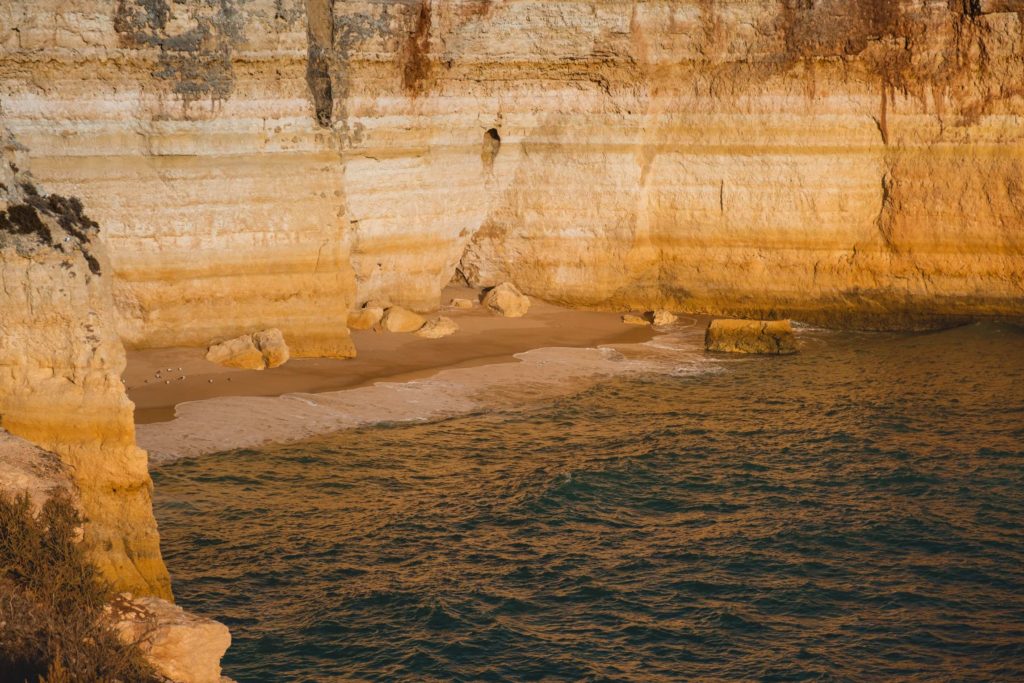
{"x":240,"y":352}
{"x":271,"y":344}
{"x":750,"y":336}
{"x":398,"y":319}
{"x":438,"y":328}
{"x":365,"y":318}
{"x":506,"y":300}
{"x":257,"y":351}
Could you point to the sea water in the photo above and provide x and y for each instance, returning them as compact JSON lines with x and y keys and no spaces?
{"x":854,"y":512}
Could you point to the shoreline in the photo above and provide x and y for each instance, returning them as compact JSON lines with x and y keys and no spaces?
{"x":483,"y":339}
{"x":397,"y":378}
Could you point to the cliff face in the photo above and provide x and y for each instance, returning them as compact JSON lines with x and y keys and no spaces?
{"x":275,"y":162}
{"x":60,"y":367}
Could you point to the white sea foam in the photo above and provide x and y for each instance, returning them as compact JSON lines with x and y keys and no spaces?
{"x":226,"y":423}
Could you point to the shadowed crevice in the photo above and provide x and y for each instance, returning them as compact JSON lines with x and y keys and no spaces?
{"x":320,"y":33}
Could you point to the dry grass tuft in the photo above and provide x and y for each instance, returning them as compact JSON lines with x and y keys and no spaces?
{"x":54,"y":625}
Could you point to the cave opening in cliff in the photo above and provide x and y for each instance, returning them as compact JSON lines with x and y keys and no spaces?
{"x":491,"y":147}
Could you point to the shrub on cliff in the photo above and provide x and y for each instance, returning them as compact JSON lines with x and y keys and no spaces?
{"x":54,"y":624}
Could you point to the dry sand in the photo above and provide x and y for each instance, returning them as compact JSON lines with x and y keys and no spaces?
{"x":483,"y":339}
{"x":492,"y":363}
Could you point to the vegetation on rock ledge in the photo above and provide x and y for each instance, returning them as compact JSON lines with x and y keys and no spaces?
{"x":55,"y":626}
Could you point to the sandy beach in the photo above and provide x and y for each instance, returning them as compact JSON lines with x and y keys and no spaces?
{"x":492,"y":363}
{"x":482,"y":339}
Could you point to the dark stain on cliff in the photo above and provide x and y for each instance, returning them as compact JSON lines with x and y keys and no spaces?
{"x":22,"y":219}
{"x":320,"y":35}
{"x":832,"y":28}
{"x":489,"y":150}
{"x":26,"y":218}
{"x":196,"y":62}
{"x":939,"y":53}
{"x":416,"y":55}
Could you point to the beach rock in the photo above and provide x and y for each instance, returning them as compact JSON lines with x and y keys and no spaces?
{"x":438,"y":328}
{"x":398,"y":319}
{"x":631,"y":319}
{"x":257,"y":351}
{"x":750,"y":336}
{"x":507,"y":300}
{"x":271,"y":344}
{"x":183,"y":647}
{"x":240,"y":352}
{"x":365,"y":318}
{"x":462,"y":303}
{"x":659,"y":318}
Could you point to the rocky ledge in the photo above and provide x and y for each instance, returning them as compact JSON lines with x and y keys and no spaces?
{"x":773,"y":337}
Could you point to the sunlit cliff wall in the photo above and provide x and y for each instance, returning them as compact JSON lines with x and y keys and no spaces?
{"x":60,"y":367}
{"x":275,"y":162}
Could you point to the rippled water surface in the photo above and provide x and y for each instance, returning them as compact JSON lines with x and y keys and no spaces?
{"x":853,"y":512}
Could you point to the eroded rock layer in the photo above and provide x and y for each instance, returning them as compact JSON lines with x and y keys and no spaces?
{"x":60,"y":372}
{"x":279,"y":162}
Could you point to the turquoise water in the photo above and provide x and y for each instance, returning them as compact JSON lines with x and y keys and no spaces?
{"x":853,"y":512}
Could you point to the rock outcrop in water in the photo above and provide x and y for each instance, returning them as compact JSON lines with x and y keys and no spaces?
{"x":773,"y":337}
{"x":279,"y":162}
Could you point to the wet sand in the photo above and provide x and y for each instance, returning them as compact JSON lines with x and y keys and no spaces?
{"x":482,"y":339}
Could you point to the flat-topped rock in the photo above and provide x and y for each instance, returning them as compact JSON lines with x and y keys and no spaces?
{"x":631,"y":319}
{"x":438,"y":328}
{"x":750,"y":336}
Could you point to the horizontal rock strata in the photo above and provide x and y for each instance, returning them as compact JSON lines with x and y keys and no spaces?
{"x":60,"y":368}
{"x":280,"y":162}
{"x":772,"y":337}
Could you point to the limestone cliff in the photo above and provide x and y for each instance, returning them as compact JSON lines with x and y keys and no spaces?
{"x":272,"y":163}
{"x":60,"y":367}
